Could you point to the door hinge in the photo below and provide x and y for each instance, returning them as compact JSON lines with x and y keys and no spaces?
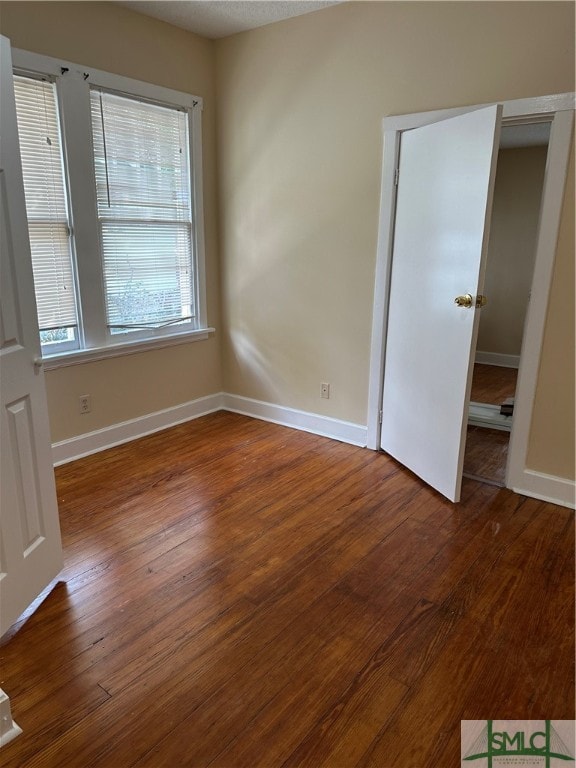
{"x":380,"y":416}
{"x":396,"y":176}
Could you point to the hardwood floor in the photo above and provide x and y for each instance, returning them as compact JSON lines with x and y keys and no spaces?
{"x":238,"y":594}
{"x":487,"y":449}
{"x":486,"y":454}
{"x":493,"y":383}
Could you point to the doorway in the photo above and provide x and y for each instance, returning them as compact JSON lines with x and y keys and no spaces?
{"x":558,"y":110}
{"x":509,"y":270}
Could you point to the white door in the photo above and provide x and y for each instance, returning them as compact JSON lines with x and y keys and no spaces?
{"x":30,"y":543}
{"x":444,"y":197}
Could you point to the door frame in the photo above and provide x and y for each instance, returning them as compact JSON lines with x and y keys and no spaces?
{"x":557,"y":109}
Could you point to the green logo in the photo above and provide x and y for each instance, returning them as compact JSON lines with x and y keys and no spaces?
{"x":545,"y":744}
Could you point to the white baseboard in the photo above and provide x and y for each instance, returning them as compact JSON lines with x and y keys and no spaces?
{"x":345,"y":431}
{"x":116,"y":434}
{"x":496,"y":358}
{"x":125,"y":431}
{"x":556,"y":490}
{"x":538,"y":485}
{"x":8,"y":728}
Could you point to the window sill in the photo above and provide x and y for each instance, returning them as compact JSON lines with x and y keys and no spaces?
{"x":80,"y":356}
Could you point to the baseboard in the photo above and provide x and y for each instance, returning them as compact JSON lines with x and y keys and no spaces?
{"x":8,"y":728}
{"x":345,"y":431}
{"x":556,"y":490}
{"x":125,"y":431}
{"x":538,"y":485}
{"x":496,"y":358}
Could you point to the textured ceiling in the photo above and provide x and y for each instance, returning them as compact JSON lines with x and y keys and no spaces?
{"x":220,"y":18}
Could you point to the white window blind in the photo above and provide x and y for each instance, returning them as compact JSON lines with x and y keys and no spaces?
{"x":142,"y":170}
{"x":46,"y":208}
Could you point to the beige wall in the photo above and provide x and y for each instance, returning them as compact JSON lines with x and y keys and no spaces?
{"x":512,"y":248}
{"x":300,"y":105}
{"x":299,"y":147}
{"x":112,"y":38}
{"x":552,"y":447}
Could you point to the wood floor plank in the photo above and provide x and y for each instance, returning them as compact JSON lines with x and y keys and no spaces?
{"x":491,"y":601}
{"x":493,"y":383}
{"x":238,"y":594}
{"x":486,"y":454}
{"x":405,"y":656}
{"x":252,"y":688}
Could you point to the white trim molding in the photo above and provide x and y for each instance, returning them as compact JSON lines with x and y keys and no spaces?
{"x":554,"y":489}
{"x":81,"y":356}
{"x":538,"y":485}
{"x":559,"y":149}
{"x":8,"y":728}
{"x":125,"y":431}
{"x":74,"y":84}
{"x":559,"y":111}
{"x":49,"y":65}
{"x":497,"y":358}
{"x":325,"y":426}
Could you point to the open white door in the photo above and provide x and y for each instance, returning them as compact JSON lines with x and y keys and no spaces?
{"x":30,"y":543}
{"x":444,"y":199}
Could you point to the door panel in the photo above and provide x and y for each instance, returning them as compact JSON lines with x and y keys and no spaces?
{"x":30,"y":543}
{"x":444,"y":196}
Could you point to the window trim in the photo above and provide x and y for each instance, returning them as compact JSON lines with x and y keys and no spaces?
{"x":90,"y":355}
{"x":68,"y":346}
{"x":73,"y":88}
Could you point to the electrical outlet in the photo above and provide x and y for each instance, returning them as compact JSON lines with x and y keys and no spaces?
{"x":325,"y":391}
{"x":85,"y":403}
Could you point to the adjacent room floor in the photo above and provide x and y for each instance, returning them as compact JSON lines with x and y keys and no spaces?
{"x":237,"y":593}
{"x":493,"y":383}
{"x":487,"y":449}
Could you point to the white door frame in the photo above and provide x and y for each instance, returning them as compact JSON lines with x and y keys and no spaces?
{"x":559,"y":110}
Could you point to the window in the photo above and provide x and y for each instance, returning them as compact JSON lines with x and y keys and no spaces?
{"x":112,"y":178}
{"x":143,"y":192}
{"x":47,"y":211}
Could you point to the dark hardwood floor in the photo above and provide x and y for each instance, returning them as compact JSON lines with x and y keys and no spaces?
{"x":486,"y":454}
{"x":487,"y":449}
{"x":493,"y":383}
{"x":238,"y":594}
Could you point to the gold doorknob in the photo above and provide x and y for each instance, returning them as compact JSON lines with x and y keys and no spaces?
{"x":464,"y":301}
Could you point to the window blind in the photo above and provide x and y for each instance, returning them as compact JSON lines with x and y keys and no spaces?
{"x":46,"y":208}
{"x":142,"y":172}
